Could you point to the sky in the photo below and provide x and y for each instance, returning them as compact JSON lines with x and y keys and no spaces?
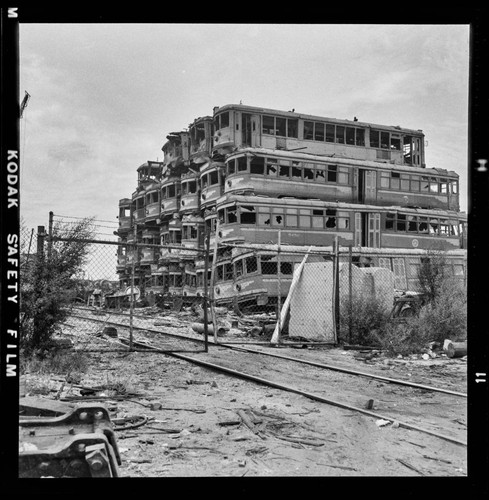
{"x":105,"y":96}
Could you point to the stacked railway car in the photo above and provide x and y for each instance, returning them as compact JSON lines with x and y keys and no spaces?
{"x":248,"y":174}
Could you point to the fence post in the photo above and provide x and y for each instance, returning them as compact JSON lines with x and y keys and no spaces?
{"x":213,"y":272}
{"x":279,"y":285}
{"x":350,"y":293}
{"x":131,"y":305}
{"x":40,"y":241}
{"x":50,"y":236}
{"x":336,"y":289}
{"x":206,"y":288}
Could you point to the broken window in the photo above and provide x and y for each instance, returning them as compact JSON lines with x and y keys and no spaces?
{"x":278,"y":218}
{"x":264,"y":217}
{"x":384,"y":140}
{"x":401,"y":222}
{"x":193,"y":233}
{"x":242,"y":164}
{"x":220,"y":273}
{"x":268,"y":267}
{"x":204,"y":180}
{"x":268,"y":125}
{"x":308,"y":173}
{"x":454,"y":186}
{"x":222,"y":120}
{"x":231,"y":215}
{"x":251,"y":265}
{"x":320,"y":176}
{"x":272,"y":167}
{"x":308,"y":130}
{"x":330,"y":218}
{"x":286,"y":268}
{"x":228,"y":271}
{"x":433,"y":226}
{"x":296,"y":171}
{"x":283,"y":171}
{"x":231,"y":167}
{"x":330,"y":133}
{"x":257,"y":165}
{"x":412,"y":225}
{"x":343,"y":220}
{"x":248,"y":214}
{"x":444,"y":228}
{"x":423,"y":224}
{"x":425,"y":184}
{"x":184,"y":188}
{"x":389,"y":221}
{"x":214,"y":178}
{"x":443,"y":186}
{"x":238,"y":268}
{"x":396,"y":143}
{"x":407,"y":149}
{"x":433,"y":185}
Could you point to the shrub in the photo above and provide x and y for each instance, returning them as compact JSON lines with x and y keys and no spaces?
{"x":368,"y":316}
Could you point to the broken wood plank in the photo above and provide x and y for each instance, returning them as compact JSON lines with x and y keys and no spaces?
{"x":247,"y":421}
{"x":409,"y":466}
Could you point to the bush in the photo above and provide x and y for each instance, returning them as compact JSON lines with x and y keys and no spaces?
{"x":368,"y":317}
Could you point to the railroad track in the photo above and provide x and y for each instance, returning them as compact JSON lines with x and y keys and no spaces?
{"x":275,"y":370}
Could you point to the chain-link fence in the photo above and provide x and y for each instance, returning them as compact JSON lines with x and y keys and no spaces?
{"x":130,"y":293}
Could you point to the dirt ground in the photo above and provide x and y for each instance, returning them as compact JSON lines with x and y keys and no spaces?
{"x":196,"y":417}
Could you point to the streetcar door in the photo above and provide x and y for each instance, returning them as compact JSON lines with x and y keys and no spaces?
{"x":373,"y":237}
{"x":367,"y":186}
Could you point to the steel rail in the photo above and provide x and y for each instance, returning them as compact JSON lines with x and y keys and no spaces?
{"x":309,"y":395}
{"x":306,"y":362}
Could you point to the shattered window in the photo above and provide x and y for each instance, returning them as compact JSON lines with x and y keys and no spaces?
{"x":268,"y":267}
{"x":330,"y":133}
{"x":251,"y":265}
{"x":396,"y":143}
{"x":308,"y":130}
{"x":319,"y":131}
{"x":220,"y":273}
{"x":296,"y":173}
{"x":278,"y":220}
{"x":192,"y":187}
{"x":423,"y":224}
{"x":425,"y":184}
{"x":238,"y":268}
{"x":433,"y":226}
{"x":454,"y":185}
{"x":248,"y":215}
{"x":268,"y":125}
{"x":389,"y":221}
{"x":308,"y":173}
{"x":228,"y":271}
{"x":433,"y":185}
{"x":231,"y":215}
{"x":231,"y":167}
{"x":444,"y":228}
{"x":401,"y":222}
{"x":242,"y":164}
{"x":283,"y":171}
{"x":272,"y":167}
{"x":320,"y":177}
{"x":292,"y":127}
{"x":330,"y":218}
{"x":412,"y":225}
{"x":343,"y":220}
{"x":257,"y":165}
{"x":222,"y":120}
{"x":214,"y":178}
{"x":286,"y":268}
{"x":264,"y":219}
{"x":384,"y":140}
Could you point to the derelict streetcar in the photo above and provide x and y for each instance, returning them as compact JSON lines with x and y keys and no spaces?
{"x":247,"y":174}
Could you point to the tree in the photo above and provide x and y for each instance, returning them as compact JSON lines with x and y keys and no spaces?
{"x":48,"y":282}
{"x":432,"y":273}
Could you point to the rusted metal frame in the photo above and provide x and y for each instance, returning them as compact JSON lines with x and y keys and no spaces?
{"x":315,"y":397}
